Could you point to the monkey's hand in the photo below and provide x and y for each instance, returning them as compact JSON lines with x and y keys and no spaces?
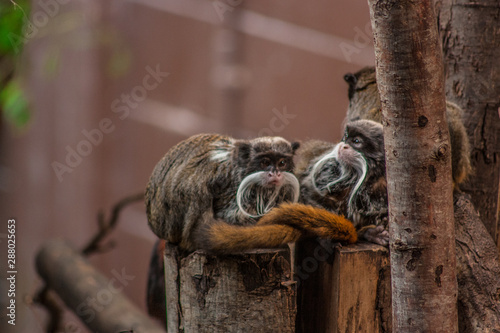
{"x":313,"y":221}
{"x":377,"y":235}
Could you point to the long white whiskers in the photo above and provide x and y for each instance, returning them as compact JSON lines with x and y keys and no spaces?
{"x":361,"y":168}
{"x":318,"y":165}
{"x":359,"y":165}
{"x":262,"y":204}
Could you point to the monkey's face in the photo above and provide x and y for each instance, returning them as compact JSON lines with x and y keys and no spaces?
{"x":267,"y":177}
{"x":363,"y":138}
{"x":272,"y":167}
{"x":352,"y":162}
{"x":339,"y":173}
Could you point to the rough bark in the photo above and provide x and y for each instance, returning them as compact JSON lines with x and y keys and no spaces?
{"x":470,"y":32}
{"x":245,"y":292}
{"x":360,"y":274}
{"x":342,"y":289}
{"x":97,"y":300}
{"x":478,"y":271}
{"x":417,"y":147}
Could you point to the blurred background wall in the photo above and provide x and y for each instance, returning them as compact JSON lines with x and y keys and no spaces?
{"x":114,"y":84}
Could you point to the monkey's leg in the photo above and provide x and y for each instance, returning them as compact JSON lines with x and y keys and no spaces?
{"x":375,"y":234}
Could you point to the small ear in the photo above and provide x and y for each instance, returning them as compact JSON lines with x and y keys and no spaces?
{"x":351,"y":79}
{"x":242,"y":152}
{"x":295,"y":146}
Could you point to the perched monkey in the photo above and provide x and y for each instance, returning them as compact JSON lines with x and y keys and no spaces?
{"x":349,"y":178}
{"x":219,"y":194}
{"x":364,"y":103}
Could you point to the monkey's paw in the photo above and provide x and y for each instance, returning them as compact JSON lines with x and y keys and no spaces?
{"x":377,"y":235}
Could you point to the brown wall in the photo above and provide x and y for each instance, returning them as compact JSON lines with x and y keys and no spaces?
{"x":286,"y":54}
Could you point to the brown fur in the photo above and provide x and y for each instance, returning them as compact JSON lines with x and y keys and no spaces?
{"x":364,"y":103}
{"x":155,"y":298}
{"x":225,"y":238}
{"x":191,"y":198}
{"x":284,"y":224}
{"x":312,"y":220}
{"x":308,"y":151}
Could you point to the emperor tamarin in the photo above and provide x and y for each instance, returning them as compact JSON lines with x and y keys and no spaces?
{"x":220,"y":194}
{"x":348,"y":178}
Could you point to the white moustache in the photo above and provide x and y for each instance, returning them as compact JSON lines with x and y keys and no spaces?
{"x":358,"y":164}
{"x":266,"y":197}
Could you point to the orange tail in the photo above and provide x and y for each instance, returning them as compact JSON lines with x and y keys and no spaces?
{"x":312,"y":220}
{"x":226,"y":238}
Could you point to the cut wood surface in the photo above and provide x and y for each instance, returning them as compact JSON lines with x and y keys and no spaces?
{"x":247,"y":292}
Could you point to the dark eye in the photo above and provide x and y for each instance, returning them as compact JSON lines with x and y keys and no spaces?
{"x":265,"y":163}
{"x":357,"y":142}
{"x":282,"y":163}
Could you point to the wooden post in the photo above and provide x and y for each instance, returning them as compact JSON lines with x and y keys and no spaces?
{"x":97,"y":300}
{"x":247,"y":292}
{"x":346,"y":289}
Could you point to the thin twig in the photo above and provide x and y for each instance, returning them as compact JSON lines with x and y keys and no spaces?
{"x":17,"y":6}
{"x":105,"y":227}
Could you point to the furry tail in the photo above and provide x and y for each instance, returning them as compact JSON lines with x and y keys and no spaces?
{"x":225,"y":238}
{"x":155,"y":298}
{"x":312,"y":221}
{"x":284,"y":224}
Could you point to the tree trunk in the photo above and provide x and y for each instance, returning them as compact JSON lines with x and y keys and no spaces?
{"x":418,"y":156}
{"x":247,"y":292}
{"x":470,"y":32}
{"x":478,"y":272}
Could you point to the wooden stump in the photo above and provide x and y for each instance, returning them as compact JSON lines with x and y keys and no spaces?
{"x":245,"y":292}
{"x":343,"y":289}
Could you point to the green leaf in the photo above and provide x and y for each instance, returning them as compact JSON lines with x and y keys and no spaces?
{"x":12,"y":20}
{"x":14,"y":104}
